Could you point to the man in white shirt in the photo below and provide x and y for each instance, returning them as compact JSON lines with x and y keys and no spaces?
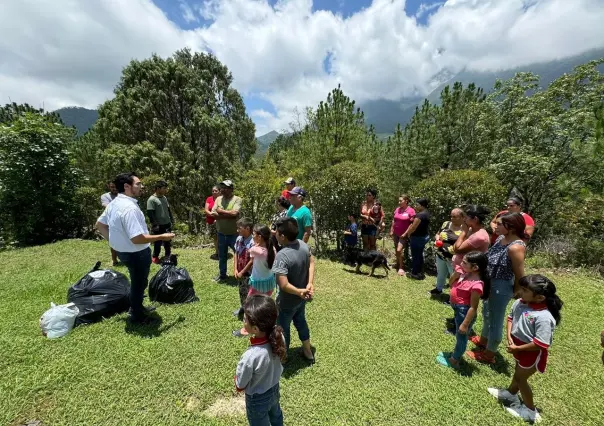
{"x":107,"y":198}
{"x":123,"y":225}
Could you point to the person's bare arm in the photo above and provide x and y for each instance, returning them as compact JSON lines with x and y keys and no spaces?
{"x":412,"y":228}
{"x":517,"y":253}
{"x":103,"y":230}
{"x":307,"y":232}
{"x":493,"y":223}
{"x":285,"y":286}
{"x":146,"y":238}
{"x":311,"y":277}
{"x":475,"y":299}
{"x":207,"y":209}
{"x":529,"y":230}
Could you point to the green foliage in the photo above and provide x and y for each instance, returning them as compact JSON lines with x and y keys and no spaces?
{"x":178,"y":118}
{"x":259,"y":189}
{"x":449,"y":189}
{"x":10,"y":112}
{"x":338,"y":191}
{"x":38,"y":183}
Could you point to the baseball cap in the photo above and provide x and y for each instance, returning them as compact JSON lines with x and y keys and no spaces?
{"x":227,"y":183}
{"x":297,"y":191}
{"x":290,"y":181}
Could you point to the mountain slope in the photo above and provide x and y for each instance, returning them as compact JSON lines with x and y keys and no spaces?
{"x":385,"y":115}
{"x":264,"y":141}
{"x":81,"y":118}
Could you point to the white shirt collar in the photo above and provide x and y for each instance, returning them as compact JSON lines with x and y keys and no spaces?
{"x":127,"y":198}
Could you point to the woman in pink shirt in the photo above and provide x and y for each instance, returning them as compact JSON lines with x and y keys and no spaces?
{"x":210,"y":221}
{"x":473,"y":235}
{"x":402,"y":219}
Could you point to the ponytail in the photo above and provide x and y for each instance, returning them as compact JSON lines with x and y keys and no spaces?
{"x":277,"y":342}
{"x":261,"y":311}
{"x":541,"y":285}
{"x":266,"y":235}
{"x":482,"y":261}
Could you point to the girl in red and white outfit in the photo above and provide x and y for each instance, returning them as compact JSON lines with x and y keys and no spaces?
{"x":530,"y":328}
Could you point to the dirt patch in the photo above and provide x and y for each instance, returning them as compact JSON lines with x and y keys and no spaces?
{"x":233,"y":406}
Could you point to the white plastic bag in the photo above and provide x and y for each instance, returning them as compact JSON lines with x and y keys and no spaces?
{"x":58,"y":320}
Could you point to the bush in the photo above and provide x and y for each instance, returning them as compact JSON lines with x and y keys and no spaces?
{"x":338,"y":191}
{"x":38,"y":183}
{"x":454,"y":188}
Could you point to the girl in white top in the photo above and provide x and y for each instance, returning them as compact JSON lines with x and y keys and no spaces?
{"x":262,"y":253}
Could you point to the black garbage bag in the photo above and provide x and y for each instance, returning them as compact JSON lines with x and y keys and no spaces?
{"x":101,"y":293}
{"x":172,"y":284}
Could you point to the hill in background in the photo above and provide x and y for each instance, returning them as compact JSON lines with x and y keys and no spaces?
{"x":80,"y":118}
{"x":264,"y":141}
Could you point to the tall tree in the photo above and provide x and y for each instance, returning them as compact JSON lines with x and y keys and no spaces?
{"x":185,"y":106}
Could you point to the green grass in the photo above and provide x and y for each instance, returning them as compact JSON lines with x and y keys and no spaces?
{"x":376,"y":342}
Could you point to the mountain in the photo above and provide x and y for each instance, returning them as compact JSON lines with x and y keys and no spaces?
{"x":80,"y":118}
{"x":264,"y":141}
{"x":385,"y":115}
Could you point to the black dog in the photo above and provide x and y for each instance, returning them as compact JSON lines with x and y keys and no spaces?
{"x":358,"y":257}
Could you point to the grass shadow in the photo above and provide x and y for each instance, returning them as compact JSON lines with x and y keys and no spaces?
{"x":152,"y":329}
{"x":352,"y":271}
{"x":295,"y":362}
{"x":441,"y":298}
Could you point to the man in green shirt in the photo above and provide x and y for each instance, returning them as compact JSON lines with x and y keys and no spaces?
{"x":300,"y":212}
{"x":161,"y":218}
{"x":226,"y":212}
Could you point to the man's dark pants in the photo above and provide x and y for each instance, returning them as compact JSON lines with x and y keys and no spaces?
{"x":138,"y":264}
{"x":162,"y":229}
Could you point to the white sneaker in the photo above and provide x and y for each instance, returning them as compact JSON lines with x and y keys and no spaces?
{"x":504,"y":396}
{"x":525,"y":413}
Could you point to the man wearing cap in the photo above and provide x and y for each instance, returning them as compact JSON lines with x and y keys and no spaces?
{"x":300,"y":212}
{"x":226,"y":212}
{"x":290,"y":183}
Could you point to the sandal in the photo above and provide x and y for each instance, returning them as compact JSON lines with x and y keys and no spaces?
{"x":443,"y":360}
{"x":480,"y":357}
{"x":476,"y":340}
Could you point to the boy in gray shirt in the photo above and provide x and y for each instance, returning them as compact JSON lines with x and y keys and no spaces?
{"x":294,"y":269}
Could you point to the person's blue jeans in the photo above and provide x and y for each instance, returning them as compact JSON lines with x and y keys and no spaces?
{"x":296,"y":314}
{"x":264,"y":409}
{"x":461,"y":340}
{"x":138,"y":264}
{"x":417,"y":253}
{"x":494,"y":312}
{"x":224,"y":242}
{"x":444,"y":268}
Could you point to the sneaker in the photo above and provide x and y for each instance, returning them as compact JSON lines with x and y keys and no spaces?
{"x":504,"y":396}
{"x":155,"y":260}
{"x":435,"y":292}
{"x":415,"y":276}
{"x":219,"y":279}
{"x":525,"y":413}
{"x":214,"y":257}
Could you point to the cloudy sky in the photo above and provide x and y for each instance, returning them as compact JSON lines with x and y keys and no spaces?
{"x":283,"y":54}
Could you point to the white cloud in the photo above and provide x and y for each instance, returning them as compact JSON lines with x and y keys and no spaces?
{"x":70,"y":52}
{"x":187,"y":13}
{"x":427,"y":8}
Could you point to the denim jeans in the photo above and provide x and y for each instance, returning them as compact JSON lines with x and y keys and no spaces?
{"x":444,"y":268}
{"x":461,"y":340}
{"x":494,"y":312}
{"x":298,"y":316}
{"x":417,"y":253}
{"x":263,"y":409}
{"x":224,"y":242}
{"x":138,"y":264}
{"x":167,"y":244}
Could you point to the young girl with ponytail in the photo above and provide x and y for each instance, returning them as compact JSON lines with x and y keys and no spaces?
{"x":473,"y":284}
{"x":530,"y":328}
{"x":262,"y":257}
{"x":259,"y":370}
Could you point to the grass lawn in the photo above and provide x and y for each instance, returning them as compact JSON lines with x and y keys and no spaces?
{"x":376,"y":342}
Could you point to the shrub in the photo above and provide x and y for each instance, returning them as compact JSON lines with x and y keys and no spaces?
{"x":38,"y":183}
{"x":454,"y":188}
